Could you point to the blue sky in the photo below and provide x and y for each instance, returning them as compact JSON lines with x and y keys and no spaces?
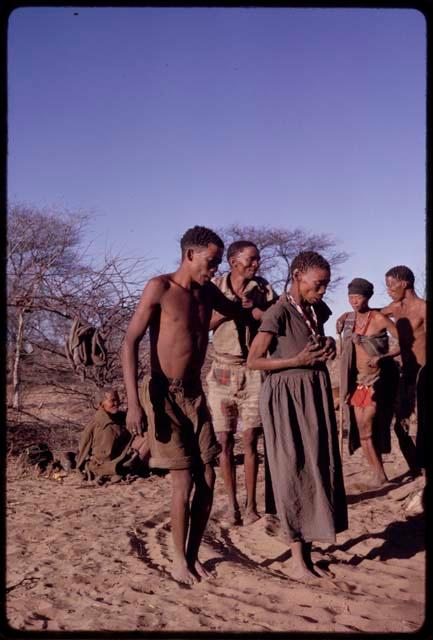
{"x":155,"y":120}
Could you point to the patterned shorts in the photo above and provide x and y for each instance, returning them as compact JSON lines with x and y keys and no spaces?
{"x":233,"y":393}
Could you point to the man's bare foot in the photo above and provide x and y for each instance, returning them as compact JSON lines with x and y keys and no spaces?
{"x":201,"y":571}
{"x":231,"y":518}
{"x":250,"y":517}
{"x":378,"y":480}
{"x":182,"y":574}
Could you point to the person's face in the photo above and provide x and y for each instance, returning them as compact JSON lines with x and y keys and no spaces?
{"x":246,"y":262}
{"x":204,"y":262}
{"x":358,"y":302}
{"x":312,"y":284}
{"x":395,"y":288}
{"x":111,"y":402}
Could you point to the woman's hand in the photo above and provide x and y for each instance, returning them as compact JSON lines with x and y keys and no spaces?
{"x":330,"y":348}
{"x":374,"y":362}
{"x":311,"y":354}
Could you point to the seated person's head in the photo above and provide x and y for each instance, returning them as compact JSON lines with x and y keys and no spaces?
{"x":110,"y":400}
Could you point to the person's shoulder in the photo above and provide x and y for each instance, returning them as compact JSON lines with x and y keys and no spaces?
{"x":279,"y":308}
{"x":220,"y":281}
{"x":102,"y":418}
{"x":158,"y":285}
{"x":421,"y":303}
{"x":389,"y":309}
{"x":322,"y":310}
{"x":261,"y":282}
{"x":378,"y":317}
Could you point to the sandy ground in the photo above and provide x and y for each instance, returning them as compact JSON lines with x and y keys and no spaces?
{"x":83,"y":557}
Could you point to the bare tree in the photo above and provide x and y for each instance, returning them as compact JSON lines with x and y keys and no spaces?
{"x":51,"y":281}
{"x":278,"y":246}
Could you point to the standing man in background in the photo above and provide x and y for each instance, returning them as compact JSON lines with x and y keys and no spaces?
{"x":408,"y":311}
{"x":233,"y":389}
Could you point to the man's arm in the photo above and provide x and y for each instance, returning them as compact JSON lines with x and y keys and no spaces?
{"x":383,"y":322}
{"x":388,"y":310}
{"x":230,"y":309}
{"x":149,"y":302}
{"x":216,"y":320}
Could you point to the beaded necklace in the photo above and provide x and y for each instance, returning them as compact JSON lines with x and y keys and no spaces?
{"x":312,"y":329}
{"x":362,"y":329}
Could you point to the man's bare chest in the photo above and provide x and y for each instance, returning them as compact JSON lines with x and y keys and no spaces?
{"x":185,"y":309}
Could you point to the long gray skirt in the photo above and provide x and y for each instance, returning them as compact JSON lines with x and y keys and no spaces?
{"x":304,"y":460}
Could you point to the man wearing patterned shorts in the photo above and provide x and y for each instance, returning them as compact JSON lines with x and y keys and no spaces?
{"x":233,"y":390}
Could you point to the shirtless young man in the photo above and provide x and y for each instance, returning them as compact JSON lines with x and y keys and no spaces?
{"x":233,"y":389}
{"x":368,"y":377}
{"x":408,"y":311}
{"x":177,"y":308}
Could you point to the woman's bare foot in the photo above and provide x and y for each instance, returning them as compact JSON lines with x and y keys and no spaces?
{"x":181,"y":573}
{"x":300,"y":571}
{"x":321,"y":572}
{"x":250,"y":517}
{"x":201,"y":571}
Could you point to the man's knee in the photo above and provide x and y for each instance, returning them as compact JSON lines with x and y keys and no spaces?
{"x":205,"y":480}
{"x":209,"y":475}
{"x":226,"y":440}
{"x":182,"y":483}
{"x":249,"y":437}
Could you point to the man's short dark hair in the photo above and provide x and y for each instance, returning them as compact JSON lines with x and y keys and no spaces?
{"x":309,"y":260}
{"x":238,"y":246}
{"x":402,"y":273}
{"x":199,"y":237}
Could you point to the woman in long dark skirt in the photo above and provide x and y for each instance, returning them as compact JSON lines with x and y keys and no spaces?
{"x":298,"y":413}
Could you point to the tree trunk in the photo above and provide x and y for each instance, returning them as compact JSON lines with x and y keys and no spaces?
{"x":16,"y":370}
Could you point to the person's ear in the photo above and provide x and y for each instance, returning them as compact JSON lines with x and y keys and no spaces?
{"x":232,"y":261}
{"x":296,"y":275}
{"x":189,"y":254}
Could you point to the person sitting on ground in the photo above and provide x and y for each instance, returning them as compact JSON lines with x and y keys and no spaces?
{"x":107,"y":448}
{"x":368,"y":377}
{"x":233,"y":389}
